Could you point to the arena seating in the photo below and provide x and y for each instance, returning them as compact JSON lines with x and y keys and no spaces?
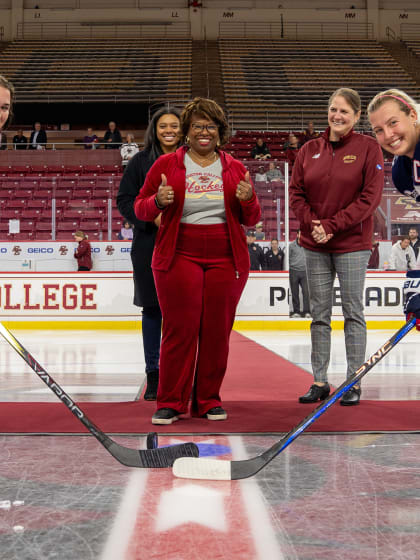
{"x":97,"y":69}
{"x":81,"y":197}
{"x":281,"y":84}
{"x":414,"y":46}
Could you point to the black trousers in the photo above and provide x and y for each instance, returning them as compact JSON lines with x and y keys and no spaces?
{"x":297,"y":278}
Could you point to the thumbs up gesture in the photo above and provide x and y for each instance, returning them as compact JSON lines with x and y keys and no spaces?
{"x":244,"y":188}
{"x":165,"y":194}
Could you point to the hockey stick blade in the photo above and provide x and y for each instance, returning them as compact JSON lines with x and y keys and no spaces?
{"x":142,"y":458}
{"x":215,"y":469}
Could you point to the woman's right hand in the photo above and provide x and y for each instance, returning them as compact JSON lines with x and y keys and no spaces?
{"x":165,"y":194}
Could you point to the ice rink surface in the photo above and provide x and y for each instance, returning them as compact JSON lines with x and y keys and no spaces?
{"x":352,"y":496}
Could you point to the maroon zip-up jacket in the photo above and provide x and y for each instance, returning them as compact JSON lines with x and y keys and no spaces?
{"x":83,"y":254}
{"x":237,"y":212}
{"x":341,"y":185}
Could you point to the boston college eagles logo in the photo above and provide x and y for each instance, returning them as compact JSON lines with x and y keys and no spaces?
{"x":17,"y":250}
{"x":109,"y":250}
{"x":63,"y":250}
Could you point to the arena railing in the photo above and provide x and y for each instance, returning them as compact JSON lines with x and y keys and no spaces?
{"x":92,"y":30}
{"x":296,"y":30}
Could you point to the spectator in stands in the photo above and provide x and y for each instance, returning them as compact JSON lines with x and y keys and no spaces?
{"x":373,"y":263}
{"x":112,"y":138}
{"x":38,"y":139}
{"x":292,"y":147}
{"x":260,"y":150}
{"x":402,"y":255}
{"x":310,"y":133}
{"x":20,"y":142}
{"x":256,"y":254}
{"x":292,"y":142}
{"x":7,"y":94}
{"x":259,"y":233}
{"x":126,"y":232}
{"x":273,"y":173}
{"x":298,"y":278}
{"x":90,"y":140}
{"x":336,"y":186}
{"x":3,"y":140}
{"x":274,"y":257}
{"x":128,"y":149}
{"x":414,"y":240}
{"x":200,"y":261}
{"x":162,"y":137}
{"x":83,"y":252}
{"x":260,"y":175}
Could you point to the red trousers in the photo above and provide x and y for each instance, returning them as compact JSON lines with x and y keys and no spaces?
{"x":198,"y":296}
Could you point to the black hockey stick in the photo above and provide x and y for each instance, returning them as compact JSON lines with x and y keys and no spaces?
{"x":214,"y":469}
{"x":147,"y":458}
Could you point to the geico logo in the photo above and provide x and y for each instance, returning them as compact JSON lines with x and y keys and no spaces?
{"x":125,"y":250}
{"x":3,"y":250}
{"x":40,"y":250}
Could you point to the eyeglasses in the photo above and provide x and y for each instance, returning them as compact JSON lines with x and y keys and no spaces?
{"x":212,"y":128}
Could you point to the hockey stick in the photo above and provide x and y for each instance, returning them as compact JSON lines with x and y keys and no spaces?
{"x":214,"y":469}
{"x":147,"y":458}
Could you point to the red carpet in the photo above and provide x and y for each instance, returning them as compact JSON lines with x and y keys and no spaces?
{"x":260,"y":394}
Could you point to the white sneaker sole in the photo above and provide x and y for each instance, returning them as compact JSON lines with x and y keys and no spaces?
{"x":216,"y":416}
{"x":164,"y":420}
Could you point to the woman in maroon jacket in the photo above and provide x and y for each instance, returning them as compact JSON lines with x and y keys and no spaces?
{"x":83,"y":252}
{"x":336,"y":186}
{"x":200,"y":261}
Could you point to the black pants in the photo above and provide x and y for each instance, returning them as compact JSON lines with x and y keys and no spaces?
{"x":298,"y":279}
{"x":82,"y":268}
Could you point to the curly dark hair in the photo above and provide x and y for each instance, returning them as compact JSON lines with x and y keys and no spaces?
{"x":209,"y":109}
{"x":8,"y":85}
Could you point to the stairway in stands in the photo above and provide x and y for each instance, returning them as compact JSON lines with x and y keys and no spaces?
{"x":206,"y":71}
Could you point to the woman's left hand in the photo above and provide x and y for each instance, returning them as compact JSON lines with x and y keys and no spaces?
{"x":244,"y":188}
{"x":318,"y":233}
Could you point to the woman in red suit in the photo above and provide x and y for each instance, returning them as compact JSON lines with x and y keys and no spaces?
{"x":200,"y":262}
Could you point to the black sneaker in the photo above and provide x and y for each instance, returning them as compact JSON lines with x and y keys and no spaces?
{"x":216,"y":413}
{"x":152,"y":385}
{"x":315,"y":393}
{"x":165,"y":416}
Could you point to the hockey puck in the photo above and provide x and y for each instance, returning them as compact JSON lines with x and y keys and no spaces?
{"x":152,"y":440}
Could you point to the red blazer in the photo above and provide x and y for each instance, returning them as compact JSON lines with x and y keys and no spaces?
{"x":83,"y":254}
{"x":341,"y":186}
{"x":172,"y":165}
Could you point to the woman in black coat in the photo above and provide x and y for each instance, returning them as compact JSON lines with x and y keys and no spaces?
{"x":162,"y":136}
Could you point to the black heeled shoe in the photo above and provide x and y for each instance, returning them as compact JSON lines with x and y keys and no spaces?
{"x":351,"y":397}
{"x":315,"y":393}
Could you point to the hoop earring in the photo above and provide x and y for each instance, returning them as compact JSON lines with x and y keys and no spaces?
{"x":187,"y":140}
{"x":218,"y":144}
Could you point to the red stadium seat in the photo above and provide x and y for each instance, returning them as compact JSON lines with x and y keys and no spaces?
{"x":67,"y":226}
{"x":93,"y":169}
{"x":42,"y":236}
{"x":32,"y":214}
{"x":43,"y":227}
{"x":44,"y":194}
